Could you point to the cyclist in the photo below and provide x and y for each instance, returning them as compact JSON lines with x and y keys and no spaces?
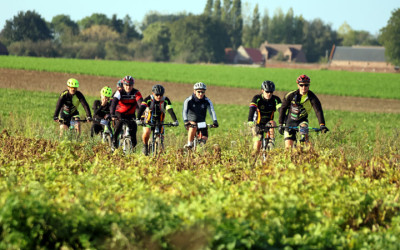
{"x":294,"y":112}
{"x":123,"y":106}
{"x":153,"y":110}
{"x":120,"y":86}
{"x":101,"y":110}
{"x":261,"y":112}
{"x":67,"y":106}
{"x":194,"y":112}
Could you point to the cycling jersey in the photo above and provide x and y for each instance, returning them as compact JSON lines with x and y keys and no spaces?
{"x":99,"y":111}
{"x":265,"y":108}
{"x":296,"y":107}
{"x":68,"y":104}
{"x":155,"y":110}
{"x":195,"y":109}
{"x":126,"y":103}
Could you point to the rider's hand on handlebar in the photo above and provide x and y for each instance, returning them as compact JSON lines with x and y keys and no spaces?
{"x":89,"y":119}
{"x":215,"y":124}
{"x":250,"y":124}
{"x":175,"y":123}
{"x":55,"y":118}
{"x":139,"y":122}
{"x":324,"y":129}
{"x":114,"y":117}
{"x":281,"y":129}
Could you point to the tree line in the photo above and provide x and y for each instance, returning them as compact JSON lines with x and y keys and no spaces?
{"x":181,"y":37}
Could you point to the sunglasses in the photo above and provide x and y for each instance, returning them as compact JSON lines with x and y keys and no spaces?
{"x":304,"y":85}
{"x":200,"y":92}
{"x":269,"y":92}
{"x":158,"y":95}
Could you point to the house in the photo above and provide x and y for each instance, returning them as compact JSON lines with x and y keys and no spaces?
{"x":286,"y":52}
{"x":3,"y":49}
{"x":369,"y":58}
{"x":247,"y":56}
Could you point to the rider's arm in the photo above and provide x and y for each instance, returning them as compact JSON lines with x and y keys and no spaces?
{"x":317,"y":107}
{"x":114,"y":102}
{"x":139,"y":101}
{"x":185,"y":110}
{"x":142,"y":109}
{"x":252,"y":109}
{"x":84,"y":103}
{"x":278,"y":103}
{"x":285,"y":106}
{"x":60,"y":103}
{"x":168,"y":106}
{"x":96,"y":107}
{"x":211,"y":110}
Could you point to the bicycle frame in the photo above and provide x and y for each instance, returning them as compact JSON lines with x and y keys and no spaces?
{"x":197,"y":138}
{"x":156,"y":144}
{"x":297,"y":129}
{"x":124,"y":137}
{"x":266,"y":144}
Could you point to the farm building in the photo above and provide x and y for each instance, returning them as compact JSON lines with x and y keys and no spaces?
{"x":244,"y":56}
{"x":287,"y":52}
{"x":3,"y":49}
{"x":371,"y":58}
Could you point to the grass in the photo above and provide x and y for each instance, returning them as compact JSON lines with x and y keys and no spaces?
{"x":341,"y":83}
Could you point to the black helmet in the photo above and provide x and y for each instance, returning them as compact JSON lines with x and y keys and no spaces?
{"x":158,"y":89}
{"x":268,"y":86}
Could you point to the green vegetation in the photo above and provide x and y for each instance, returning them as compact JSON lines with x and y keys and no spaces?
{"x":343,"y":193}
{"x":325,"y":82}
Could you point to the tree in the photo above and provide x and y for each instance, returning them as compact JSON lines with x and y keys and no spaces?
{"x":217,"y":10}
{"x":226,"y":11}
{"x":236,"y":31}
{"x":64,"y":28}
{"x":390,"y":38}
{"x":198,"y":39}
{"x":26,"y":26}
{"x":158,"y":36}
{"x":129,"y":30}
{"x":208,"y":8}
{"x":99,"y":33}
{"x":117,"y":24}
{"x":153,"y":17}
{"x":94,"y":19}
{"x":251,"y":33}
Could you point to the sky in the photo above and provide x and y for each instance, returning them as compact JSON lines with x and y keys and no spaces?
{"x":366,"y":15}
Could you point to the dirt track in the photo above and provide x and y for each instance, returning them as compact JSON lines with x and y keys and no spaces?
{"x":91,"y":85}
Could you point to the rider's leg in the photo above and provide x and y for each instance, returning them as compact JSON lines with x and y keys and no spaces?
{"x":303,"y":131}
{"x":256,"y":139}
{"x":290,"y":137}
{"x":191,"y":134}
{"x":203,"y":135}
{"x":145,"y":139}
{"x":132,"y":133}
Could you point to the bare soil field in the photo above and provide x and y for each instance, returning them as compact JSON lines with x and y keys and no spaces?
{"x":91,"y":85}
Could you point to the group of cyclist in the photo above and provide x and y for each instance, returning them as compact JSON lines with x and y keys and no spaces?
{"x":126,"y":101}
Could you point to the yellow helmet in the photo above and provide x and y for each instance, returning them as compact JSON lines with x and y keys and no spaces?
{"x":73,"y":83}
{"x":106,"y":91}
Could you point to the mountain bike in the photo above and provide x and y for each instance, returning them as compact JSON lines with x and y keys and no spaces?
{"x":107,"y":134}
{"x":198,"y":141}
{"x":72,"y":130}
{"x":267,"y":144}
{"x":156,"y":143}
{"x":306,"y":130}
{"x":124,"y":138}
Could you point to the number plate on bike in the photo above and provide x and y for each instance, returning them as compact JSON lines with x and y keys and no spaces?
{"x":202,"y":125}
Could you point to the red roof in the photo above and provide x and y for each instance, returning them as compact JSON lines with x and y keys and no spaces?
{"x":255,"y":55}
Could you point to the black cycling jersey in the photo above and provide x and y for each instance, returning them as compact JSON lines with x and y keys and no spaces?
{"x":195,"y":109}
{"x":69,"y":104}
{"x":296,"y":107}
{"x":262,"y":110}
{"x":155,"y":110}
{"x":99,"y":111}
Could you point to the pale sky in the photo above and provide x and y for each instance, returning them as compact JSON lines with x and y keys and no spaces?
{"x":367,"y":15}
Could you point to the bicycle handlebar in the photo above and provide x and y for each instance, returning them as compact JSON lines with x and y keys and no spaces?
{"x":169,"y":124}
{"x":195,"y":125}
{"x":309,"y":128}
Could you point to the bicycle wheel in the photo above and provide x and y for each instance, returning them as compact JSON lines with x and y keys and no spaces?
{"x":127,"y":146}
{"x":264,"y":149}
{"x":158,"y":147}
{"x":107,"y":139}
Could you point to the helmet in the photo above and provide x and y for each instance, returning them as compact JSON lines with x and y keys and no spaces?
{"x":106,"y":91}
{"x":120,"y":84}
{"x":158,"y":89}
{"x":303,"y":79}
{"x":199,"y":85}
{"x":128,"y":80}
{"x":73,"y":83}
{"x":268,"y":86}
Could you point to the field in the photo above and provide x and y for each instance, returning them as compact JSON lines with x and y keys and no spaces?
{"x":342,"y":193}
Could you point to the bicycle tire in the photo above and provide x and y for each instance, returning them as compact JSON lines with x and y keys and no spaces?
{"x":158,"y":146}
{"x":108,"y":140}
{"x":127,"y":146}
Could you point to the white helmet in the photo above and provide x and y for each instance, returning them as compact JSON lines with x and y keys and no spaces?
{"x":199,"y":85}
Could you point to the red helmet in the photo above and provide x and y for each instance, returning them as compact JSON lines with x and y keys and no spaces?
{"x":128,"y":80}
{"x":303,"y":79}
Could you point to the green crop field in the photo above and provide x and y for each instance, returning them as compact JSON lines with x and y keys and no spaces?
{"x":380,"y":85}
{"x":342,"y":193}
